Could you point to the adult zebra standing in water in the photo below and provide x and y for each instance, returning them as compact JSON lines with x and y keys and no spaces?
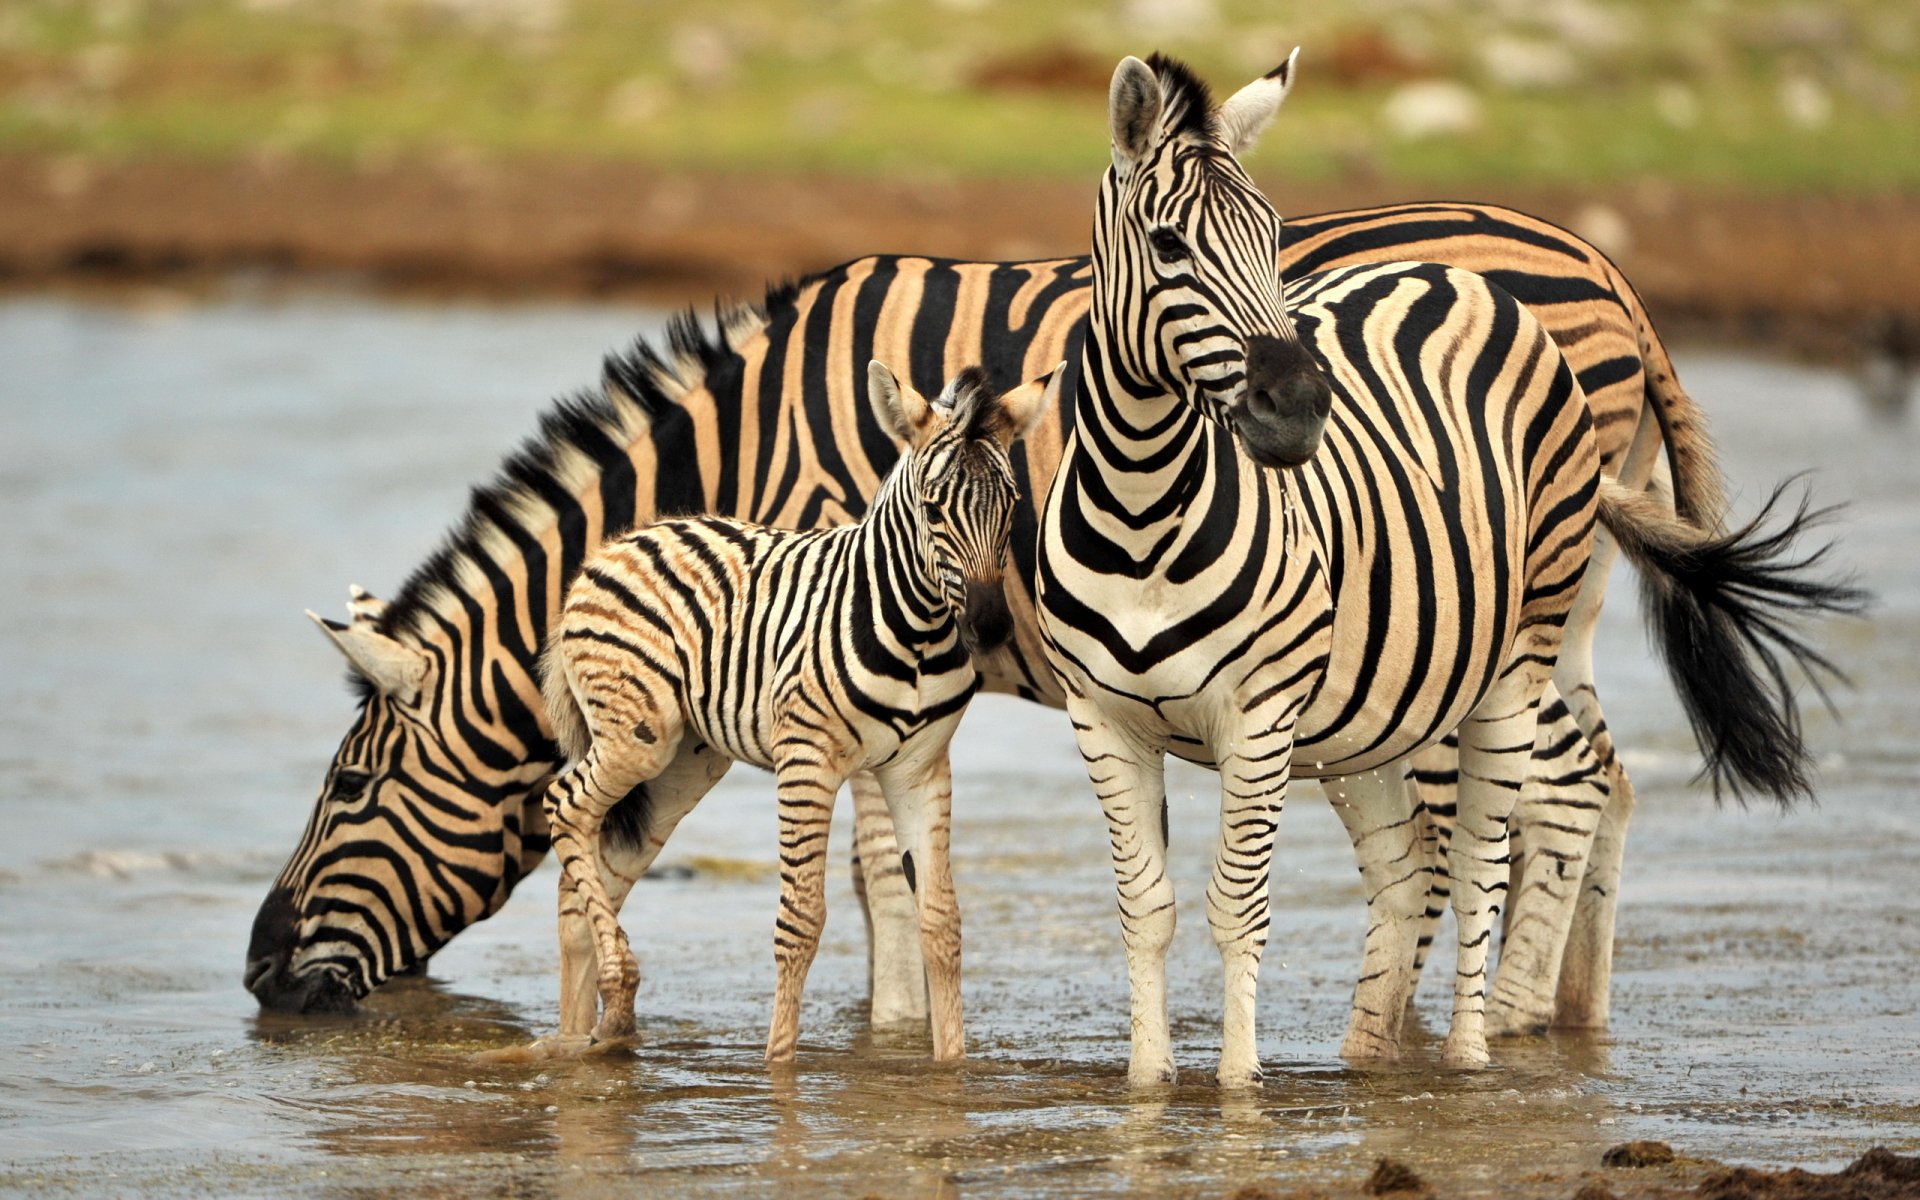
{"x":429,"y":811}
{"x":1202,"y":602}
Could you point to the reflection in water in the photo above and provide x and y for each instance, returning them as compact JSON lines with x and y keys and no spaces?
{"x":1764,"y":1000}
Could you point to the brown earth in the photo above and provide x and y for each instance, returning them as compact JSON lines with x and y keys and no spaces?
{"x":1824,"y":272}
{"x":1647,"y":1171}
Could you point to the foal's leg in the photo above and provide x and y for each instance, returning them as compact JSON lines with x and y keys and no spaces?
{"x":1395,"y":868}
{"x":899,"y":984}
{"x":807,"y":782}
{"x":577,"y":806}
{"x":920,"y":797}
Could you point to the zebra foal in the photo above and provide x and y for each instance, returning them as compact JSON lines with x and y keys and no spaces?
{"x":688,"y":644}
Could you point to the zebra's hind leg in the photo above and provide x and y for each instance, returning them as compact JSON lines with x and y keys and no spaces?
{"x":1130,"y":781}
{"x":631,"y":838}
{"x":1565,"y":794}
{"x":577,"y":805}
{"x":1586,"y":971}
{"x":807,"y":787}
{"x":1395,"y":869}
{"x":898,"y":991}
{"x":1496,"y":749}
{"x":920,"y":797}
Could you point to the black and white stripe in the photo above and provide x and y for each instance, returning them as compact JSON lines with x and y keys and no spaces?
{"x":1412,"y":576}
{"x":688,"y":644}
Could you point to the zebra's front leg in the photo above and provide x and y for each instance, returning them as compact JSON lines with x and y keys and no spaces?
{"x":1496,"y":748}
{"x":1130,"y":781}
{"x":920,"y":797}
{"x":807,"y":786}
{"x":1565,"y":794}
{"x":1253,"y":791}
{"x":1389,"y":843}
{"x":898,"y":980}
{"x":1433,"y":778}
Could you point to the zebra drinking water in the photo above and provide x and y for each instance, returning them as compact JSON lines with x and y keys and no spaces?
{"x":1217,"y":583}
{"x":687,"y":644}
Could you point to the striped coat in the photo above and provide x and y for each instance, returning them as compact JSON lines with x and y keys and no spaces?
{"x":688,"y":644}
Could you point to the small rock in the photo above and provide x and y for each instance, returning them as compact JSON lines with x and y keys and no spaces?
{"x":1594,"y":1190}
{"x":1390,"y":1176}
{"x":1637,"y":1154}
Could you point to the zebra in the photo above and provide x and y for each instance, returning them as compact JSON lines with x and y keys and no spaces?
{"x":1215,"y":582}
{"x":429,"y":812}
{"x":688,"y":644}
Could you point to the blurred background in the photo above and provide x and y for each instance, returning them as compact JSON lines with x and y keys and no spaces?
{"x":1752,"y":163}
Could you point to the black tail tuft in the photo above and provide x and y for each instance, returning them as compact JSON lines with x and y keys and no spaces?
{"x":1724,"y":607}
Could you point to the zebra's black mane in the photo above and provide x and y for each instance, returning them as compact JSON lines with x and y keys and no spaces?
{"x":640,"y":386}
{"x":971,"y":393}
{"x":1187,"y":99}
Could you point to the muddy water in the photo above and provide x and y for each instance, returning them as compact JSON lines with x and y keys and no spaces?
{"x":179,"y":482}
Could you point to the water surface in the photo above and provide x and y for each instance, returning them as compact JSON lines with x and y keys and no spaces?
{"x":180,"y":482}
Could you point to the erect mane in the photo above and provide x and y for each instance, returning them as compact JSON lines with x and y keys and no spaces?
{"x":582,"y":436}
{"x":1188,"y":102}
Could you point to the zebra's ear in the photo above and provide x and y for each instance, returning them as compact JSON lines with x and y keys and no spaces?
{"x":1027,"y":404}
{"x":1133,"y":110}
{"x":903,"y":412}
{"x":1248,"y":112}
{"x":396,"y":670}
{"x":364,"y":605}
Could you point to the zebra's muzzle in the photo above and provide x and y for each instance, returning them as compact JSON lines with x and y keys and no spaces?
{"x":1285,"y":409}
{"x":986,"y":622}
{"x":269,"y":958}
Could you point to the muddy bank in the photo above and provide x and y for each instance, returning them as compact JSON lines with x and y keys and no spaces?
{"x":1825,"y":273}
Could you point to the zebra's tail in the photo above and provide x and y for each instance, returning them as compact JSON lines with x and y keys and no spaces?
{"x":1723,"y":606}
{"x":1699,"y":493}
{"x":563,"y":711}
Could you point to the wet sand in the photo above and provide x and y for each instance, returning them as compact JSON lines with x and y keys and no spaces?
{"x":181,"y":481}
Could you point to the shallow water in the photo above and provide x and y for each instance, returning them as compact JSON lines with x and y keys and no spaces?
{"x":181,"y":481}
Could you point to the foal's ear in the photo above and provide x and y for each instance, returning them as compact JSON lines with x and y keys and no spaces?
{"x":1026,"y":405}
{"x":1248,"y":112}
{"x":903,"y":412}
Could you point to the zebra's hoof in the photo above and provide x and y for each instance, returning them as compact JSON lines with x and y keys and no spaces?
{"x":614,"y":1027}
{"x":1466,"y":1053}
{"x":1240,"y":1076}
{"x":1504,"y":1021}
{"x":1151,"y":1075}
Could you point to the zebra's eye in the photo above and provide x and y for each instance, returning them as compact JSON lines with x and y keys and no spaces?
{"x":1168,"y":245}
{"x":348,"y":784}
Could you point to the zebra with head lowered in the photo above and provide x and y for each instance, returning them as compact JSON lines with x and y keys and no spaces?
{"x":687,"y":644}
{"x":1393,"y":555}
{"x":429,"y":812}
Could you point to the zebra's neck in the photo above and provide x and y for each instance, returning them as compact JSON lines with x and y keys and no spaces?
{"x":897,"y":590}
{"x":1144,"y":452}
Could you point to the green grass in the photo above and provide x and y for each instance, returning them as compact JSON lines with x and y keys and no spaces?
{"x":1686,"y":90}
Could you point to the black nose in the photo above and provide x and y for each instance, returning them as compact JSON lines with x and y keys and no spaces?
{"x":986,"y":622}
{"x":269,"y":954}
{"x":1287,"y":403}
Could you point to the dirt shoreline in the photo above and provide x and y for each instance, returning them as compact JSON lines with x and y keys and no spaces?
{"x":1825,"y":274}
